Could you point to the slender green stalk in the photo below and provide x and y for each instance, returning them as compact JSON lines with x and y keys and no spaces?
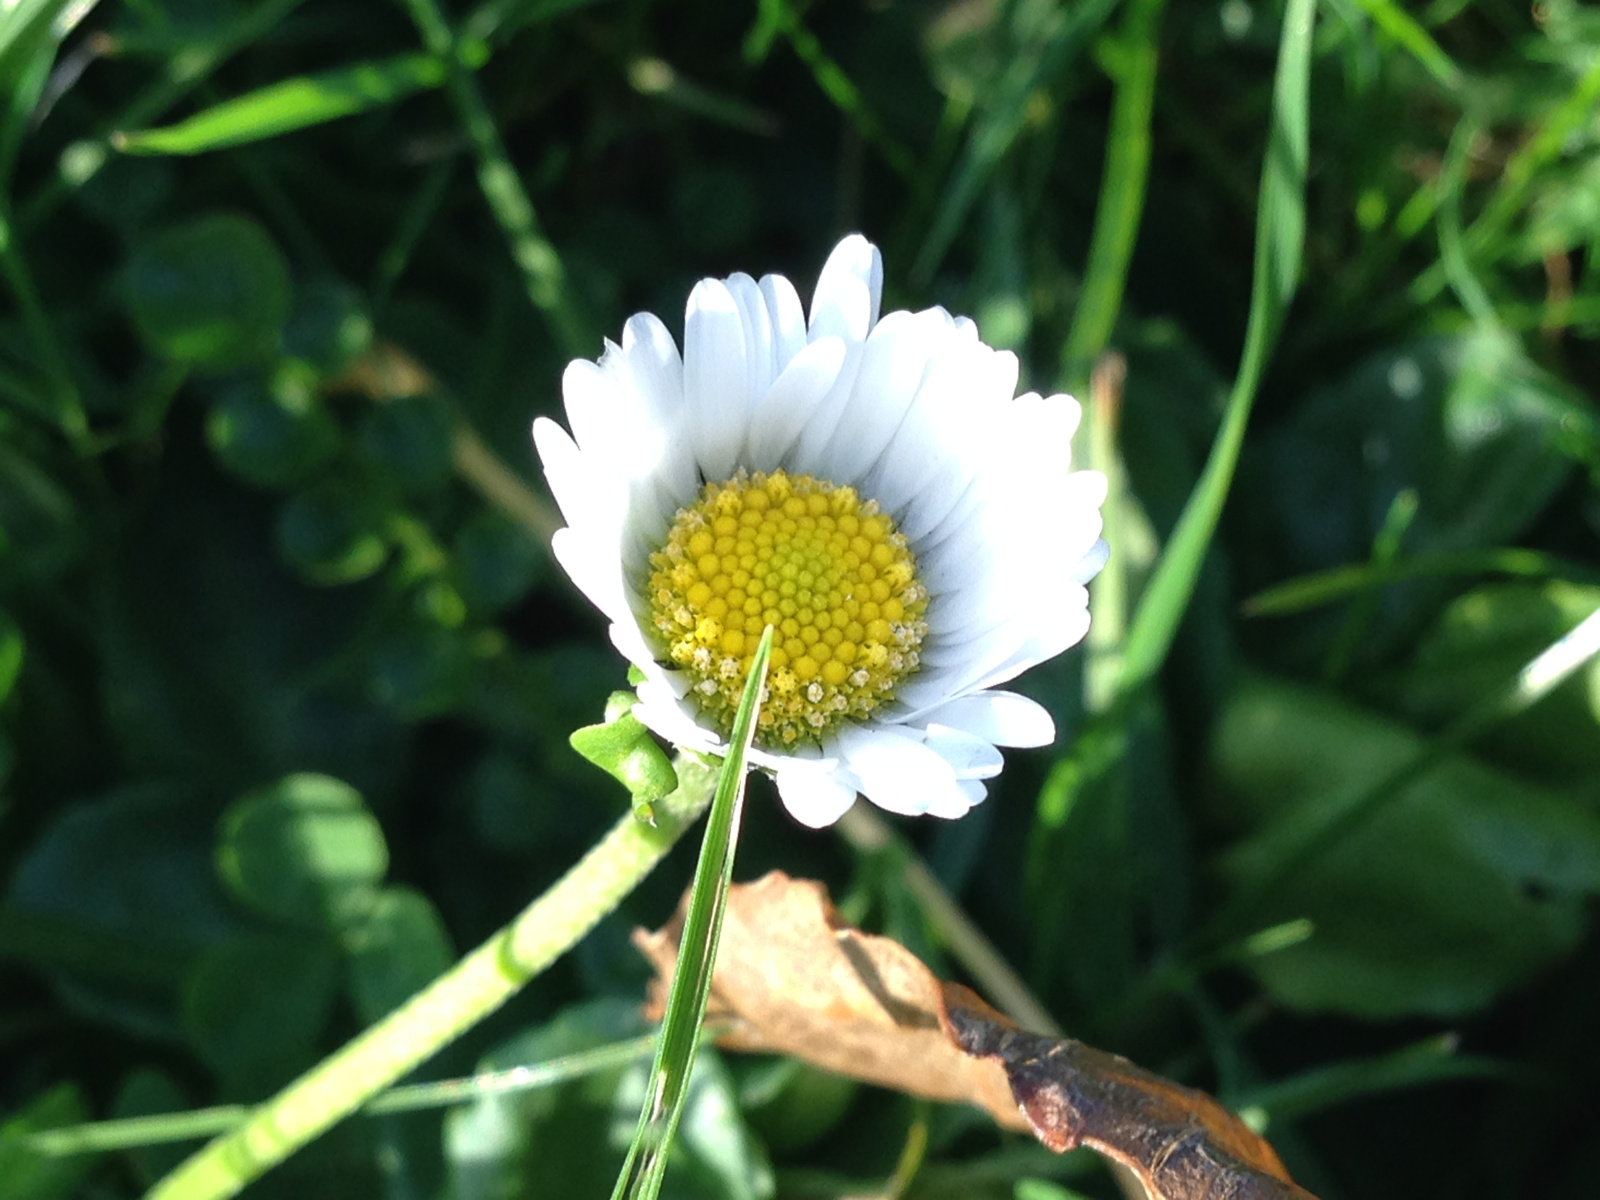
{"x":475,"y":987}
{"x":1280,"y":238}
{"x":543,"y":273}
{"x":160,"y":1128}
{"x":679,"y":1040}
{"x":1122,"y":193}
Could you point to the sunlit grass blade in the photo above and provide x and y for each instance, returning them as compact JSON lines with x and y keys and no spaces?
{"x":162,"y":1128}
{"x":1338,"y":583}
{"x":679,"y":1039}
{"x":1545,"y":672}
{"x":1122,"y":192}
{"x":1415,"y":41}
{"x":1280,"y":237}
{"x":289,"y":105}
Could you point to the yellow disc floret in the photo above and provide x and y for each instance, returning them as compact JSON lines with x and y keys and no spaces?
{"x":829,"y":572}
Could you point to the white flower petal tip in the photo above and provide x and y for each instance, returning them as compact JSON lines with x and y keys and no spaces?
{"x":874,"y":488}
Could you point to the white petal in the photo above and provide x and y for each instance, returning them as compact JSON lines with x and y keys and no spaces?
{"x":897,"y":772}
{"x":845,"y":303}
{"x":716,"y":377}
{"x":594,"y":570}
{"x":656,"y":373}
{"x":583,"y":498}
{"x":968,"y":756}
{"x":1003,"y":718}
{"x":788,"y":319}
{"x":661,"y":712}
{"x":893,"y":365}
{"x":969,"y":793}
{"x":757,"y":333}
{"x":817,"y":798}
{"x":780,"y":416}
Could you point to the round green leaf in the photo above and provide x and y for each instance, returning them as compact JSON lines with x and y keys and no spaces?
{"x":332,"y":535}
{"x":409,"y":439}
{"x":497,"y":562}
{"x":256,"y":1007}
{"x":213,"y":292}
{"x":328,"y":326}
{"x":304,"y":849}
{"x":397,"y":950}
{"x":273,"y":434}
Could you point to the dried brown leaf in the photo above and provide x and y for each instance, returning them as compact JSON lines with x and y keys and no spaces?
{"x":792,"y":978}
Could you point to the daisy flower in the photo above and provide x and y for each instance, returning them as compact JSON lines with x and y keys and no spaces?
{"x":872,"y":488}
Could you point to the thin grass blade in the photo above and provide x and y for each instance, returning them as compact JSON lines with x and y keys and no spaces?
{"x":1280,"y":236}
{"x":679,"y":1039}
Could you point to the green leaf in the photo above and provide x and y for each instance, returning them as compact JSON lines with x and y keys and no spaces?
{"x":1462,"y":884}
{"x":1280,"y":233}
{"x":256,"y":1007}
{"x":410,"y":439}
{"x":303,"y":850}
{"x":395,"y":950}
{"x":332,"y":534}
{"x":289,"y":105}
{"x":624,"y":749}
{"x":553,"y":1141}
{"x":213,"y":292}
{"x":328,"y":325}
{"x":668,"y":1087}
{"x":497,"y":562}
{"x":26,"y":1174}
{"x":274,"y":433}
{"x":27,"y":26}
{"x":11,"y":648}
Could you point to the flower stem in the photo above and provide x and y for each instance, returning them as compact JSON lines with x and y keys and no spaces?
{"x":455,"y":1002}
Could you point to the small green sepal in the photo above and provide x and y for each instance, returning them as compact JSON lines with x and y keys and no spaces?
{"x":623,"y":748}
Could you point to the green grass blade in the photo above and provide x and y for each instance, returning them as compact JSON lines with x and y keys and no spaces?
{"x":1415,"y":41}
{"x":161,"y":1128}
{"x":1280,"y":236}
{"x":1542,"y":674}
{"x":1432,"y":1060}
{"x":679,"y":1040}
{"x":289,"y":105}
{"x":1122,"y":192}
{"x":1338,"y":583}
{"x":1036,"y":70}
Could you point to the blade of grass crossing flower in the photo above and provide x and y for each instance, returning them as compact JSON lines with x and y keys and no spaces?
{"x":1280,"y":235}
{"x":679,"y":1038}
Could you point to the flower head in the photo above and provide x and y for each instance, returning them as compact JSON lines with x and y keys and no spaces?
{"x":873,"y":489}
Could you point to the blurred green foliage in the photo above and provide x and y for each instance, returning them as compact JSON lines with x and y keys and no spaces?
{"x":287,"y":678}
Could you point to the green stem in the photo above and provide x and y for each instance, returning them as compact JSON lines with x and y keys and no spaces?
{"x":543,"y":273}
{"x":478,"y":985}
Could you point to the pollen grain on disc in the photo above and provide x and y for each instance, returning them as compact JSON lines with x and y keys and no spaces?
{"x":827,"y":570}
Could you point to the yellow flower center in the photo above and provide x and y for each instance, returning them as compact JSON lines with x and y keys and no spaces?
{"x":829,"y":572}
